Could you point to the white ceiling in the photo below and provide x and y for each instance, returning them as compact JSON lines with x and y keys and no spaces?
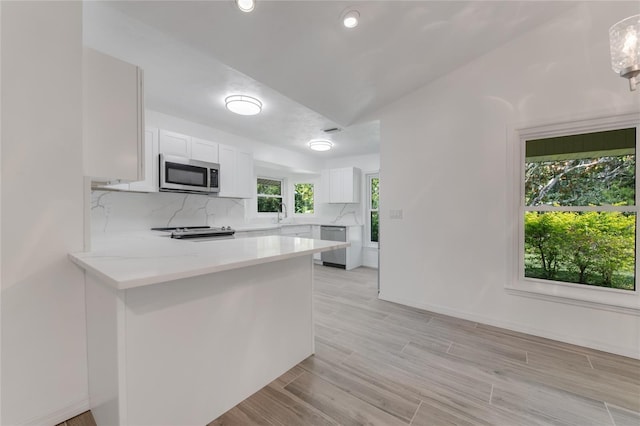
{"x":310,"y":72}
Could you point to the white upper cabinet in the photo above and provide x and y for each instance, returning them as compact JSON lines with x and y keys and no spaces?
{"x":172,"y":143}
{"x":113,"y":118}
{"x":150,"y":182}
{"x":204,"y":150}
{"x":236,"y":172}
{"x":344,"y":185}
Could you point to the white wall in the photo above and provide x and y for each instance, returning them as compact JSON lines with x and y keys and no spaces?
{"x":44,"y":368}
{"x":444,"y":162}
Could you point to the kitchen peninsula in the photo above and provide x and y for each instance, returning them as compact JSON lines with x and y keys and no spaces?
{"x":181,"y":331}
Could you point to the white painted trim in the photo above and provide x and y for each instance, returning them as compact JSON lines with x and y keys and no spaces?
{"x":367,"y":210}
{"x":574,"y":300}
{"x":61,"y":415}
{"x":518,"y":327}
{"x":614,"y":300}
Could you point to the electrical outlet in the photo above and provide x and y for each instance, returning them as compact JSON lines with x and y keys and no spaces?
{"x":395,"y":214}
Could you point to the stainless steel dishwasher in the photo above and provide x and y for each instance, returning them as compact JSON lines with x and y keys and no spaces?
{"x":336,"y":258}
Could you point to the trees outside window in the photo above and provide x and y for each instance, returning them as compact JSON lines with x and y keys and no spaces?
{"x":580,"y":209}
{"x":269,"y":193}
{"x":303,"y":198}
{"x":373,"y":218}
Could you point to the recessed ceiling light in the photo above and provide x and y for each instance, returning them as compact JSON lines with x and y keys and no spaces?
{"x":350,"y":18}
{"x":246,"y":5}
{"x":320,"y":144}
{"x":243,"y":105}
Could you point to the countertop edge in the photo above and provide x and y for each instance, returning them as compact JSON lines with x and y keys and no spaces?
{"x":167,"y":277}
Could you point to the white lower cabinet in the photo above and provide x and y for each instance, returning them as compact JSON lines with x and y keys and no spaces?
{"x":315,"y":234}
{"x":303,"y":231}
{"x":257,"y":233}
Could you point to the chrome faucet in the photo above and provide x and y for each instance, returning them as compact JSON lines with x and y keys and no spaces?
{"x":282,"y":205}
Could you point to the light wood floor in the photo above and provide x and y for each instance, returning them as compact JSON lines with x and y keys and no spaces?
{"x":378,"y":363}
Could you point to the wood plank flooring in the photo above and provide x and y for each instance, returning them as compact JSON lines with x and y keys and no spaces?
{"x":378,"y":363}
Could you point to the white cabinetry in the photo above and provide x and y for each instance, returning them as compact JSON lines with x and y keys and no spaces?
{"x":315,"y":234}
{"x":113,"y":118}
{"x":150,"y":182}
{"x":236,"y":172}
{"x":303,"y":231}
{"x":344,"y":185}
{"x":203,"y":150}
{"x":172,"y":143}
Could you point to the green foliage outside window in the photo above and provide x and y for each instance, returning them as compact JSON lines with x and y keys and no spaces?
{"x":374,"y":184}
{"x":303,"y":198}
{"x":595,"y":246}
{"x":269,"y":195}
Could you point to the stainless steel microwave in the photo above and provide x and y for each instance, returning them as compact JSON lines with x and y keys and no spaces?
{"x":179,"y":174}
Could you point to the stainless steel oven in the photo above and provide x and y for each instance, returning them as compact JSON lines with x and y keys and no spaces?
{"x":179,"y":174}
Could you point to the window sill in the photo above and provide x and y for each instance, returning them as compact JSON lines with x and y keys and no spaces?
{"x":599,"y":298}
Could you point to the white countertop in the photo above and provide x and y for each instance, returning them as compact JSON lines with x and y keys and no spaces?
{"x":137,"y":259}
{"x":266,"y":226}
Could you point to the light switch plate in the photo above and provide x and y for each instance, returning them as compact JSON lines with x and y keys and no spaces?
{"x":395,"y":214}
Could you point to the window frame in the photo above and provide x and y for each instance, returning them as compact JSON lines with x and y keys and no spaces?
{"x":617,"y":300}
{"x":282,"y":195}
{"x":293,"y":198}
{"x":368,"y":209}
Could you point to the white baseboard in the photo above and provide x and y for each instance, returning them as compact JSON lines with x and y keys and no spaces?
{"x":513,"y":326}
{"x":59,"y":416}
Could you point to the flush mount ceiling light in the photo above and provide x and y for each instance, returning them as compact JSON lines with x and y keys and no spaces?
{"x":243,"y":105}
{"x":624,"y":41}
{"x":350,"y":18}
{"x":246,"y":5}
{"x":320,"y":144}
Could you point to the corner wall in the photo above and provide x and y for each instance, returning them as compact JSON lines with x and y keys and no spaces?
{"x":44,"y":363}
{"x":444,"y":162}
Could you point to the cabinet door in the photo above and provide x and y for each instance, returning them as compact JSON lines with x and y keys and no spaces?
{"x":113,"y":118}
{"x":150,"y":182}
{"x":175,"y":144}
{"x":351,"y":187}
{"x":204,"y":150}
{"x":336,"y":184}
{"x":227,"y":160}
{"x":244,"y":174}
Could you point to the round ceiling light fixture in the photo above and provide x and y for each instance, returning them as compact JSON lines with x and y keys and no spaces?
{"x":320,"y":144}
{"x":350,"y":18}
{"x":243,"y":105}
{"x":246,"y":5}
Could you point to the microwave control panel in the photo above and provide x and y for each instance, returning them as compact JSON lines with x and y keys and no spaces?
{"x":213,"y":178}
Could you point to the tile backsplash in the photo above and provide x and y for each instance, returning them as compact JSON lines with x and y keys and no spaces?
{"x":113,"y":211}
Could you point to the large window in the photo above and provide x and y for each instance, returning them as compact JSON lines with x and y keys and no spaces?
{"x":373,"y":201}
{"x":579,"y":209}
{"x":303,"y":198}
{"x":270,"y":195}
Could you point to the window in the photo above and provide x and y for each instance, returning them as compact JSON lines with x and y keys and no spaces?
{"x":303,"y":198}
{"x":269,"y":195}
{"x":579,"y":212}
{"x":373,"y":198}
